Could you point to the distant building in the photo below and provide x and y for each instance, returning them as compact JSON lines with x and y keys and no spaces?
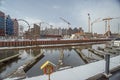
{"x":33,"y":33}
{"x":60,"y":31}
{"x":9,"y":26}
{"x":15,"y":27}
{"x":20,"y":32}
{"x":2,"y":24}
{"x":64,"y":31}
{"x":88,"y":35}
{"x":53,"y":31}
{"x":26,"y":35}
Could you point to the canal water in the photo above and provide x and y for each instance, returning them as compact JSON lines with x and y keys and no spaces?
{"x":67,"y":54}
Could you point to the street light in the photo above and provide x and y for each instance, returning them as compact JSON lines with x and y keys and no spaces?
{"x":89,"y":22}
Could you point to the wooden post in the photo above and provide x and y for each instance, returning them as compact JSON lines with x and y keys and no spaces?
{"x":48,"y":68}
{"x":48,"y":76}
{"x":107,"y":65}
{"x":107,"y":59}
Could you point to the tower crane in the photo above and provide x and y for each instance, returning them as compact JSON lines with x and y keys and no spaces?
{"x":66,"y":22}
{"x":95,"y":21}
{"x":107,"y":22}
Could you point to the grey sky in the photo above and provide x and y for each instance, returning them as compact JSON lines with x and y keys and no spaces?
{"x":74,"y":11}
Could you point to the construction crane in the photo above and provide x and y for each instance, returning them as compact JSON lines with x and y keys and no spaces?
{"x":107,"y":22}
{"x":95,"y":21}
{"x":66,"y":22}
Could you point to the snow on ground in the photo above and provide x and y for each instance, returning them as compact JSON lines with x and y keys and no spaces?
{"x":82,"y":72}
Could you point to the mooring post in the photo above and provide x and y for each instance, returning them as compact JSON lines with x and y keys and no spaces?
{"x":107,"y":65}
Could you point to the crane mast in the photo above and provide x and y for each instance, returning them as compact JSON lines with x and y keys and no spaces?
{"x":107,"y":24}
{"x":107,"y":21}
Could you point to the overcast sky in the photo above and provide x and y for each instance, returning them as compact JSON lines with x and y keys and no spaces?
{"x":74,"y":11}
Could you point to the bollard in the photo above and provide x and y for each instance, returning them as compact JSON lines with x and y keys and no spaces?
{"x":107,"y":65}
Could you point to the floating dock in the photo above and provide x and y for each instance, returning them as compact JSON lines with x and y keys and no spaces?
{"x":82,"y":56}
{"x":21,"y":71}
{"x":9,"y":58}
{"x":100,"y":54}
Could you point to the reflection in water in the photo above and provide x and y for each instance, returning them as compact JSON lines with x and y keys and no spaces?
{"x":7,"y":53}
{"x":35,"y":52}
{"x":61,"y":57}
{"x":60,"y":61}
{"x":97,"y":45}
{"x":90,"y":55}
{"x":25,"y":56}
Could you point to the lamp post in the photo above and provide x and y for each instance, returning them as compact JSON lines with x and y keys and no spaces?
{"x":88,"y":22}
